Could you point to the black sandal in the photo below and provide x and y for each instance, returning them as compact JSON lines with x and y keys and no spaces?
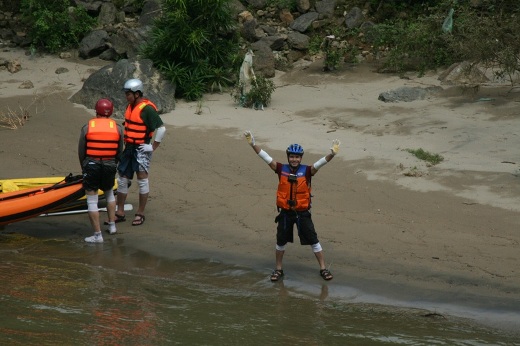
{"x":139,"y":220}
{"x":119,"y":218}
{"x":326,"y":274}
{"x":276,"y":275}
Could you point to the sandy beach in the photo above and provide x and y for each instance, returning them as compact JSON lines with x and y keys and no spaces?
{"x":394,"y":230}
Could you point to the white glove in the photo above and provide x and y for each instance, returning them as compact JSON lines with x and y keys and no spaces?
{"x":250,"y":138}
{"x":335,"y":147}
{"x":146,"y":148}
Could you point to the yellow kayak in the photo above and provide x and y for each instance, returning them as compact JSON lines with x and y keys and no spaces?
{"x":28,"y":203}
{"x":17,"y":184}
{"x":10,"y":185}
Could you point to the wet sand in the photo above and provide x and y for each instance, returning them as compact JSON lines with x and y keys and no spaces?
{"x":448,"y":236}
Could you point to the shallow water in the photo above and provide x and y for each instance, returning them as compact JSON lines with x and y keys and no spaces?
{"x":65,"y":292}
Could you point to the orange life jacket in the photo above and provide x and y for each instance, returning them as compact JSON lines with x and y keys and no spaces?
{"x":102,"y":138}
{"x":136,"y":131}
{"x":293,"y":195}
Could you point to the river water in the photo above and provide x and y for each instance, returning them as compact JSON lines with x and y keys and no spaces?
{"x":62,"y":292}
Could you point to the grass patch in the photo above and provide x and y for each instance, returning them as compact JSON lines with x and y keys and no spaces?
{"x":426,"y":156}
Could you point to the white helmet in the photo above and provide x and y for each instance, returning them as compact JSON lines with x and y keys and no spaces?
{"x":133,"y":85}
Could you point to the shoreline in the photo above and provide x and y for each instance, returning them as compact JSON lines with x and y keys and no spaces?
{"x":450,"y":231}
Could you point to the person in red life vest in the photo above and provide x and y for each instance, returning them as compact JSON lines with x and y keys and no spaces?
{"x":293,"y":200}
{"x":142,"y":123}
{"x":99,"y":148}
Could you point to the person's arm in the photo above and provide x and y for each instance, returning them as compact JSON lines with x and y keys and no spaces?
{"x":82,"y":146}
{"x":324,"y":160}
{"x":159,"y":134}
{"x":121,"y":143}
{"x":263,"y":155}
{"x":154,"y":122}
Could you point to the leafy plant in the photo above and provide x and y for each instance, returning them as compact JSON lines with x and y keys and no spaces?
{"x":493,"y":42}
{"x":315,"y":44}
{"x":414,"y":45}
{"x":52,"y":26}
{"x":259,"y":95}
{"x":195,"y":45}
{"x":426,"y":156}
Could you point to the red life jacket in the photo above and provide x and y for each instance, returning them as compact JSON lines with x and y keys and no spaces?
{"x":102,"y":138}
{"x":136,"y":131}
{"x":299,"y":192}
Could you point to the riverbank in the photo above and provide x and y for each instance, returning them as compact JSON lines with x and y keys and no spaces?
{"x":443,"y":238}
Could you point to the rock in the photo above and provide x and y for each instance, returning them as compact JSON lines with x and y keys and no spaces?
{"x":14,"y":66}
{"x":303,"y":22}
{"x":264,"y":59}
{"x":354,"y":18}
{"x":61,"y":70}
{"x":408,"y":94}
{"x":26,"y":84}
{"x":93,"y":44}
{"x":463,"y":73}
{"x":108,"y":83}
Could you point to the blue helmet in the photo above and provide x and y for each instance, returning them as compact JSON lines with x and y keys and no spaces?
{"x":294,"y":149}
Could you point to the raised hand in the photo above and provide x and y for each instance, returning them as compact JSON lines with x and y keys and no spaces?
{"x":250,"y":138}
{"x":335,"y":147}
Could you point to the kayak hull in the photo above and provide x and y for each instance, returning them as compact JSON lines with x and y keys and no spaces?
{"x":17,"y":184}
{"x":31,"y":202}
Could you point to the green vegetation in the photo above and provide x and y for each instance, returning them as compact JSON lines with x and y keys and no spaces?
{"x":484,"y":32}
{"x":426,"y":156}
{"x":52,"y":26}
{"x":259,"y":95}
{"x":283,"y":4}
{"x":195,"y":45}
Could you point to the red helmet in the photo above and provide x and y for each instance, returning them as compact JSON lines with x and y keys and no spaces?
{"x":104,"y":107}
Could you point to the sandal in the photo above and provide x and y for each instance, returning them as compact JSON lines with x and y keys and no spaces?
{"x":326,"y":274}
{"x":138,"y":221}
{"x":276,"y":275}
{"x":119,"y":218}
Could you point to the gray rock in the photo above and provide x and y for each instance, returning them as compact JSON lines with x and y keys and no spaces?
{"x":93,"y":44}
{"x":151,"y":10}
{"x":354,"y":18}
{"x":326,"y":7}
{"x":408,"y":94}
{"x":129,"y":41}
{"x":61,"y":70}
{"x":108,"y":83}
{"x":303,"y":22}
{"x":264,"y":60}
{"x":298,"y":41}
{"x":107,"y":13}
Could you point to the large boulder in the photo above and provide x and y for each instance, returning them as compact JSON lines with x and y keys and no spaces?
{"x":93,"y":44}
{"x":263,"y":62}
{"x":108,"y":83}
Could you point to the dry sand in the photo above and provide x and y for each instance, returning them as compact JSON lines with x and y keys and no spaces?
{"x":444,"y":239}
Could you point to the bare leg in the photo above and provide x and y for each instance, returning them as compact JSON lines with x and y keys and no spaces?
{"x":324,"y":272}
{"x":111,"y":209}
{"x":321,"y":259}
{"x":120,"y":201}
{"x":94,"y":215}
{"x":143,"y":198}
{"x":279,"y":259}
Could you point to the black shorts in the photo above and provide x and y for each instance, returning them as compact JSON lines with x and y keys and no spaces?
{"x":303,"y":221}
{"x":99,"y":175}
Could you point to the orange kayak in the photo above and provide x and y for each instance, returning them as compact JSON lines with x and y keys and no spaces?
{"x":31,"y":202}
